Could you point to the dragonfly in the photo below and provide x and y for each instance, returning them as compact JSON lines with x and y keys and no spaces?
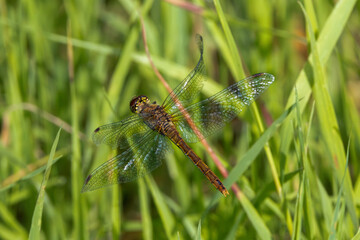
{"x":144,"y":138}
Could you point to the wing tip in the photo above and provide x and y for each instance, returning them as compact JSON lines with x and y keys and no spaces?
{"x":86,"y":186}
{"x":95,"y":136}
{"x":200,"y":43}
{"x":266,"y":75}
{"x":269,"y":77}
{"x":265,"y":78}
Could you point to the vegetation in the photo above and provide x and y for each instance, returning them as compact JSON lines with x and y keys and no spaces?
{"x":68,"y":67}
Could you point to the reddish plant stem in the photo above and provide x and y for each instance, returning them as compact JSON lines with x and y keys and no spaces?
{"x":187,"y":5}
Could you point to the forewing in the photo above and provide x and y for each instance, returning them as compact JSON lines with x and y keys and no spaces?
{"x":121,"y":134}
{"x":190,"y":87}
{"x":213,"y":113}
{"x":141,"y":158}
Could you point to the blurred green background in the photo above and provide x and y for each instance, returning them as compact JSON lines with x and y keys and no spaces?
{"x":76,"y":64}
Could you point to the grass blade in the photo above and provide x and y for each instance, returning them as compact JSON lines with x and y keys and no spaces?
{"x":328,"y":37}
{"x":335,"y":220}
{"x":36,"y":220}
{"x":256,"y":220}
{"x":236,"y":60}
{"x":145,"y":211}
{"x":167,"y":217}
{"x":198,"y":234}
{"x":329,"y":125}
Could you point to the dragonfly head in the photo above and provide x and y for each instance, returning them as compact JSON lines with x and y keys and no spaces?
{"x":137,"y":103}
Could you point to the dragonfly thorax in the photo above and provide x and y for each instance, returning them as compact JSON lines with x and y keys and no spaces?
{"x":138,"y":102}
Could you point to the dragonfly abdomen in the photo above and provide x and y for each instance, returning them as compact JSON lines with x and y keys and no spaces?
{"x":175,"y":137}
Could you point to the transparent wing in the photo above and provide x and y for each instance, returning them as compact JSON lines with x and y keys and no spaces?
{"x":141,"y":158}
{"x":213,"y":113}
{"x":190,"y":87}
{"x":121,"y":134}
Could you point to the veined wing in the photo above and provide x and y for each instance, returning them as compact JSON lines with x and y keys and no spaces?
{"x":141,"y":158}
{"x":213,"y":113}
{"x":190,"y":87}
{"x":121,"y":134}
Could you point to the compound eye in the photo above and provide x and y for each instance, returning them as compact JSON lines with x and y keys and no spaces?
{"x":134,"y":103}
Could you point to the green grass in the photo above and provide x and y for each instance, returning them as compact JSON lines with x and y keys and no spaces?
{"x":76,"y":64}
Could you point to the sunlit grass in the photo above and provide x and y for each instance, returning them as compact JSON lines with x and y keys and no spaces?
{"x":288,"y":156}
